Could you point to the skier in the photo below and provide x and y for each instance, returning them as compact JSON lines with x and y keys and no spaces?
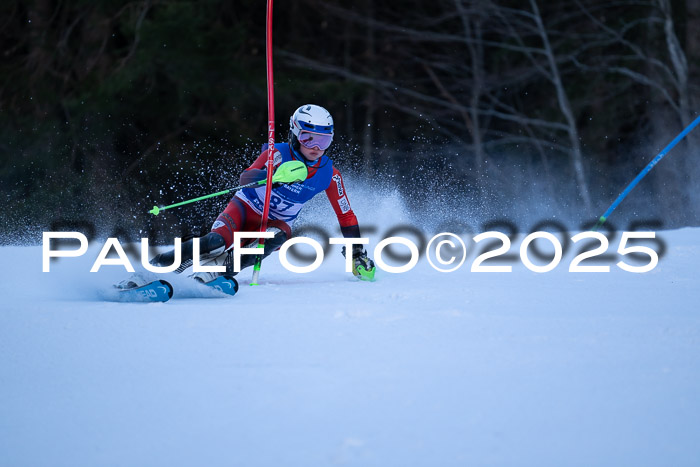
{"x":302,"y":170}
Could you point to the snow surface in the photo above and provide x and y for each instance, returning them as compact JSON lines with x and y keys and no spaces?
{"x":415,"y":369}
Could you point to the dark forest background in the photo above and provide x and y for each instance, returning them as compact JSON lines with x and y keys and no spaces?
{"x":551,"y":107}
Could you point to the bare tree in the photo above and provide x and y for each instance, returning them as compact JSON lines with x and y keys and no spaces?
{"x":500,"y":79}
{"x":516,"y":20}
{"x":662,"y":68}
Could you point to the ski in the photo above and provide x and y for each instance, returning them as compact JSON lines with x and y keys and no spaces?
{"x":225,"y":284}
{"x":162,"y":291}
{"x":156,"y":291}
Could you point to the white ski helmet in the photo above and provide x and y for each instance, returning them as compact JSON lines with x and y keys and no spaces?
{"x":312,"y":126}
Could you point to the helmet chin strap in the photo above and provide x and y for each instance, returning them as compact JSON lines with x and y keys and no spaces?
{"x":300,"y":157}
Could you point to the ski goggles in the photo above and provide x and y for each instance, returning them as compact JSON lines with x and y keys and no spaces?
{"x":315,"y":140}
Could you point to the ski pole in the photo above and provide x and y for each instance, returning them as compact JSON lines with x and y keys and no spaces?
{"x":289,"y":172}
{"x":645,"y":171}
{"x":157,"y":209}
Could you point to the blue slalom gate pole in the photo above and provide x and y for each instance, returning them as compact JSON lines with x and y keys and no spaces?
{"x":645,"y":171}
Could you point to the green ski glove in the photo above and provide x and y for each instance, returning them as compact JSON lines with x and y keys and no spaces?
{"x":362,"y":266}
{"x":290,"y":172}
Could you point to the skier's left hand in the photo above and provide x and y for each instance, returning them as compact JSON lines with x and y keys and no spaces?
{"x":362,"y":266}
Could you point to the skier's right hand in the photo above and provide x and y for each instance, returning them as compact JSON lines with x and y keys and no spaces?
{"x":290,"y":172}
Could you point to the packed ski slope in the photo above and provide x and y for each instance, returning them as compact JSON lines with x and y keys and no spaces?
{"x":415,"y":369}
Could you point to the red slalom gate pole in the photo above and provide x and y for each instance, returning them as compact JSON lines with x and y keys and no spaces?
{"x":270,"y":143}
